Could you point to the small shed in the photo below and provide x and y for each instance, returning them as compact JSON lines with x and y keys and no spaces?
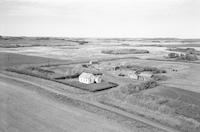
{"x":87,"y":78}
{"x":173,"y":55}
{"x":98,"y":79}
{"x":115,"y":68}
{"x":133,"y":75}
{"x":93,"y":62}
{"x":144,"y":76}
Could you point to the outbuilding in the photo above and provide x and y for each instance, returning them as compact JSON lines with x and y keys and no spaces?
{"x":93,"y":62}
{"x":133,"y":75}
{"x":98,"y":79}
{"x":144,"y":76}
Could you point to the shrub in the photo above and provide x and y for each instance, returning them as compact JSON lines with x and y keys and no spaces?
{"x":148,"y":84}
{"x":140,"y":69}
{"x":82,"y":42}
{"x":32,"y":68}
{"x":132,"y":88}
{"x":188,"y":57}
{"x":191,"y":57}
{"x":121,"y":75}
{"x":125,"y":51}
{"x":162,"y":101}
{"x":77,"y":70}
{"x":125,"y":44}
{"x":154,"y":70}
{"x":165,"y":109}
{"x":186,"y":50}
{"x":129,"y":89}
{"x":159,"y":77}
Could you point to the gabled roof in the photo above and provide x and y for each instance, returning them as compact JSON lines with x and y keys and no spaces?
{"x":86,"y":75}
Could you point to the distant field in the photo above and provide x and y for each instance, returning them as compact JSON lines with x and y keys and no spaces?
{"x":174,"y":45}
{"x":174,"y":102}
{"x":124,"y":51}
{"x":11,"y":59}
{"x":82,"y":48}
{"x":16,"y":42}
{"x":171,"y":106}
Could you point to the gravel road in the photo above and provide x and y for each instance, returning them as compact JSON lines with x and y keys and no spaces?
{"x":22,"y":110}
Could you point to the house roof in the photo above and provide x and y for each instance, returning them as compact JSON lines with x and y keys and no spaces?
{"x":86,"y":75}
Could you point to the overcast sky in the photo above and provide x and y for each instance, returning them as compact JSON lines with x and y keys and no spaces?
{"x":101,"y":18}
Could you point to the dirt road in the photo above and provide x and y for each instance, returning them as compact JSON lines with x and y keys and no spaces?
{"x":22,"y":110}
{"x":23,"y":82}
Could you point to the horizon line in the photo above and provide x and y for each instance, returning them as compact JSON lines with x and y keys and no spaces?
{"x":42,"y":36}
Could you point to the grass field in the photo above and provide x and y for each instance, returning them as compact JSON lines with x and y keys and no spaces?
{"x":89,"y":87}
{"x":173,"y":112}
{"x":175,"y":102}
{"x":12,"y":59}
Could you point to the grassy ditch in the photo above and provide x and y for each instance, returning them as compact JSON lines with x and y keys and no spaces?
{"x":172,"y":112}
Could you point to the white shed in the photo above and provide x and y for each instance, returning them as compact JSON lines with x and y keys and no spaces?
{"x":93,"y":62}
{"x":133,"y":75}
{"x":98,"y":79}
{"x":144,"y":76}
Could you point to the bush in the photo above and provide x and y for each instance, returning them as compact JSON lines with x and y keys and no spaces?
{"x":154,"y":70}
{"x":32,"y":68}
{"x":188,"y":57}
{"x":148,"y":84}
{"x":121,"y":75}
{"x":129,"y":89}
{"x":140,"y":69}
{"x":159,"y":77}
{"x":191,"y":57}
{"x":125,"y":51}
{"x":77,"y":70}
{"x":186,"y":50}
{"x":132,"y":88}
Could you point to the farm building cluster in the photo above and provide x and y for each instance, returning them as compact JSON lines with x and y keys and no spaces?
{"x":144,"y":76}
{"x":128,"y":70}
{"x":93,"y":75}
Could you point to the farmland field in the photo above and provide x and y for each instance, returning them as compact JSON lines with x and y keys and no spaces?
{"x":169,"y":98}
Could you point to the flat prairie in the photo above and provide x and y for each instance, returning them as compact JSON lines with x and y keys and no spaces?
{"x":174,"y":102}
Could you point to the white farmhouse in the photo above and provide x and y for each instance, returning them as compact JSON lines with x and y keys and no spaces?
{"x":87,"y":78}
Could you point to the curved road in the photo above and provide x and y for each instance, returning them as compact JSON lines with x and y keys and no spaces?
{"x":23,"y":110}
{"x":97,"y":127}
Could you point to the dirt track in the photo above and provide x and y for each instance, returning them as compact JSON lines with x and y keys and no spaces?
{"x":22,"y":110}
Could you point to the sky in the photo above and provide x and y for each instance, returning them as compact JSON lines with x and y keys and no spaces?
{"x":100,"y":18}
